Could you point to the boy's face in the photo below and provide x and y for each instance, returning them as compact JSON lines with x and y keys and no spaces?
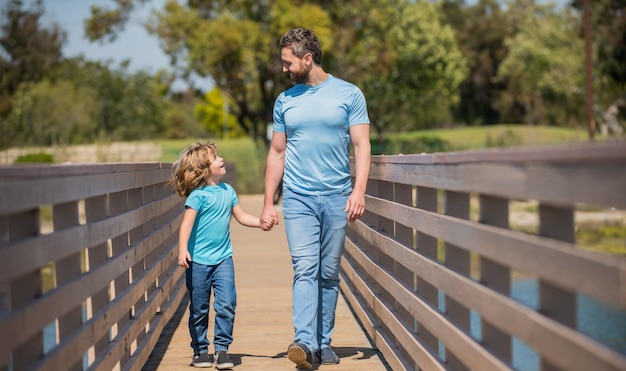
{"x":217,"y":167}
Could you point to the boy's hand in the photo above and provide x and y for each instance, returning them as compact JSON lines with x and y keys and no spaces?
{"x":183,"y":259}
{"x":268,"y":223}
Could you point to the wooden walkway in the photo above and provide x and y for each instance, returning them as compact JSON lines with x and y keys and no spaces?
{"x":263,"y":328}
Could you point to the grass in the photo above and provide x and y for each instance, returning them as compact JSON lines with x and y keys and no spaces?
{"x":499,"y":136}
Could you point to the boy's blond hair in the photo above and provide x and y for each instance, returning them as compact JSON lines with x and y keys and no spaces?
{"x":191,"y":170}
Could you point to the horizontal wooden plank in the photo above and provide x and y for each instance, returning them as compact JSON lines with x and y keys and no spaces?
{"x":158,"y":323}
{"x":24,"y":256}
{"x":599,"y":184}
{"x":30,"y":194}
{"x":460,"y":343}
{"x":560,"y":344}
{"x":23,"y":172}
{"x":377,"y":336}
{"x":27,"y":321}
{"x":598,"y":275}
{"x":116,"y":349}
{"x":572,"y":153}
{"x":71,"y":351}
{"x":420,"y":354}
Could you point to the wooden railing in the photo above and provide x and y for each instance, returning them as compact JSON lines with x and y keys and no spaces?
{"x":435,"y":250}
{"x":88,"y":274}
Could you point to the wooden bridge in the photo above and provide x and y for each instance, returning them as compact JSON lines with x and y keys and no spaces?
{"x":88,"y":274}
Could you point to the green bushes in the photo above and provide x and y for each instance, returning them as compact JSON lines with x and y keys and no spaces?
{"x":407,"y":145}
{"x":35,"y":158}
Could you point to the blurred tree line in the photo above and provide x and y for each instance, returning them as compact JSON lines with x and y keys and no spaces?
{"x":421,"y":64}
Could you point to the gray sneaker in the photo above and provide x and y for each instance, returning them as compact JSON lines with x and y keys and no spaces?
{"x":327,"y":356}
{"x":203,"y":360}
{"x":223,"y":361}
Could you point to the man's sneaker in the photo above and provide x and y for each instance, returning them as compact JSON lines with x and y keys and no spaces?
{"x":327,"y":356}
{"x":202,"y":360}
{"x":300,"y":355}
{"x":223,"y":361}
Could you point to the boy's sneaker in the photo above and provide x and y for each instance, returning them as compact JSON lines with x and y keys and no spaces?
{"x":300,"y":355}
{"x":202,"y":360}
{"x":327,"y":356}
{"x":223,"y":361}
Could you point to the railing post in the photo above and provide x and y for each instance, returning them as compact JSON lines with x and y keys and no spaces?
{"x":96,"y":210}
{"x":457,"y":259}
{"x":135,"y":201}
{"x":403,"y":194}
{"x":557,"y":223}
{"x":427,"y":246}
{"x":118,"y":204}
{"x":66,"y":216}
{"x":25,"y":289}
{"x":495,"y":211}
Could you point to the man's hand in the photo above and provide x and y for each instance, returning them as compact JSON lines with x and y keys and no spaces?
{"x":355,"y":206}
{"x":269,"y":214}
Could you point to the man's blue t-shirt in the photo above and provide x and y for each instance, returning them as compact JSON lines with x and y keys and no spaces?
{"x":317,"y":120}
{"x":209,"y":243}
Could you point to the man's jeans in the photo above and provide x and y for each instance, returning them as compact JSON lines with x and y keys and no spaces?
{"x":316,"y":230}
{"x":201,"y":279}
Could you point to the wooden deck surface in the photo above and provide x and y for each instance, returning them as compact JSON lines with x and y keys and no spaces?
{"x":263,"y":328}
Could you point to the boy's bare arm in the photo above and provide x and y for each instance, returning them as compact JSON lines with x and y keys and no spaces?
{"x":250,"y":220}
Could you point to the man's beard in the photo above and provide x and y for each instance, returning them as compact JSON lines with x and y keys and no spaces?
{"x":299,"y":77}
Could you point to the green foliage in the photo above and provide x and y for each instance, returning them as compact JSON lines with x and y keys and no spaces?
{"x":249,"y":160}
{"x":130,"y":105}
{"x":58,"y":113}
{"x":214,"y":114}
{"x":480,"y":30}
{"x":609,"y":237}
{"x":506,"y":139}
{"x":543,"y":65}
{"x":415,"y":85}
{"x":28,"y":51}
{"x":503,"y":135}
{"x":404,"y":144}
{"x":35,"y":158}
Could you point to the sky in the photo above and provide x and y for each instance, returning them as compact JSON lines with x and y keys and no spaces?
{"x":134,"y":43}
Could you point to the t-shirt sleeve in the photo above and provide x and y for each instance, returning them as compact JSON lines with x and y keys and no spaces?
{"x":279,"y":120}
{"x":358,"y":109}
{"x":235,"y":200}
{"x":194,"y":201}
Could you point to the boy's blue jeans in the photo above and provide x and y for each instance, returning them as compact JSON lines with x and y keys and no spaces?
{"x":200,"y":280}
{"x":316,"y":230}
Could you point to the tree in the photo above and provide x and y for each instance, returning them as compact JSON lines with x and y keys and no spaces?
{"x":608,"y":31}
{"x":543,"y":65}
{"x":28,"y":51}
{"x":59,"y":113}
{"x":408,"y":67}
{"x":131,"y":104}
{"x":215,"y":117}
{"x":481,"y":30}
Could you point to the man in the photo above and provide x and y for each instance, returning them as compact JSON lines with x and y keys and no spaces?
{"x":314,"y":123}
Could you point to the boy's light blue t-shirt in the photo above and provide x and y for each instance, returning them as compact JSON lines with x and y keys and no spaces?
{"x":209,"y":242}
{"x":317,"y":122}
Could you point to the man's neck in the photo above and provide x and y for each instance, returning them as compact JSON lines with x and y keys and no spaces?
{"x":316,"y":76}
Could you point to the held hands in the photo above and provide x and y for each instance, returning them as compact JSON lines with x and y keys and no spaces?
{"x":267,"y":223}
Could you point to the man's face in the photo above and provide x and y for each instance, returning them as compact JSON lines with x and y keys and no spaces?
{"x":297,"y":68}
